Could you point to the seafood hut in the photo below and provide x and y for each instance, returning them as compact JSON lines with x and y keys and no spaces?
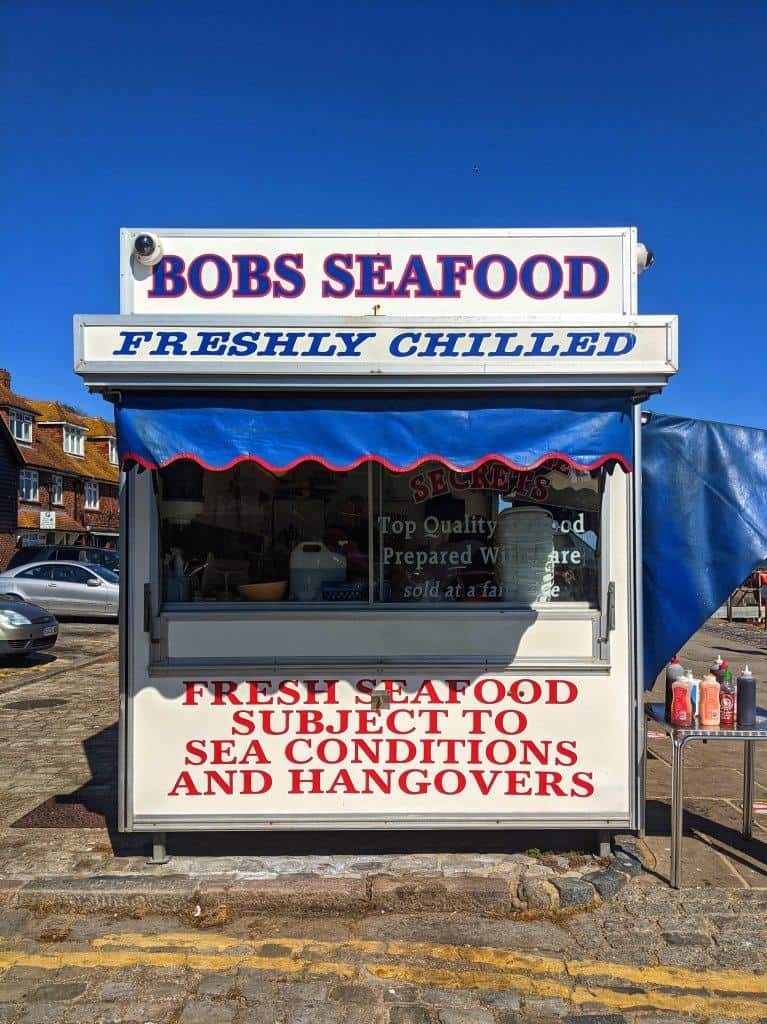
{"x":380,"y":526}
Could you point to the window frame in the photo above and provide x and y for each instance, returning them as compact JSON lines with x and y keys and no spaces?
{"x":89,"y":487}
{"x":31,"y":475}
{"x":373,"y":605}
{"x":71,"y":433}
{"x":57,"y":483}
{"x":112,"y":446}
{"x":16,"y":416}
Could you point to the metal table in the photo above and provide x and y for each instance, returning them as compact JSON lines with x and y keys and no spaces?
{"x":655,"y":716}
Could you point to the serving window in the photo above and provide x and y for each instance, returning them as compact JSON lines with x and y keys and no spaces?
{"x":492,"y":536}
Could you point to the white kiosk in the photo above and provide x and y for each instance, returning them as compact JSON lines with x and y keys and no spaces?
{"x":380,"y":526}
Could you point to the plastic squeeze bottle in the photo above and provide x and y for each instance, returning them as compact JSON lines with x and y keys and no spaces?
{"x":681,"y":704}
{"x":726,"y":704}
{"x":717,"y":666}
{"x":709,"y":700}
{"x":674,"y":671}
{"x":694,"y":693}
{"x":724,"y":672}
{"x":746,"y":699}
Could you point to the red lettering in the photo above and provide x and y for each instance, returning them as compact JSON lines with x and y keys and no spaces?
{"x":184,"y":782}
{"x":582,"y":784}
{"x":192,"y":691}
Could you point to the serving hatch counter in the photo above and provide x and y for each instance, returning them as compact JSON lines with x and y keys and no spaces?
{"x":379,"y":554}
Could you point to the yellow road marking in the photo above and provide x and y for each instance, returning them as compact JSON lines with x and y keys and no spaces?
{"x":675,"y":989}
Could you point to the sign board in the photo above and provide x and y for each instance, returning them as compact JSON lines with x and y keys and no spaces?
{"x":421,"y":749}
{"x":31,"y":540}
{"x":426,"y":272}
{"x":47,"y":520}
{"x":606,"y":347}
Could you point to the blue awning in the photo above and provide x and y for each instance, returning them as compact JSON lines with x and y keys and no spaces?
{"x":397,"y":431}
{"x":704,"y":525}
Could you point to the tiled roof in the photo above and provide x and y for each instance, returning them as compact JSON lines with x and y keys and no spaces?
{"x":9,"y":398}
{"x":31,"y":521}
{"x":58,"y":412}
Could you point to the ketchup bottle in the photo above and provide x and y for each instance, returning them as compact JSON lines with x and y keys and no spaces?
{"x":681,"y":702}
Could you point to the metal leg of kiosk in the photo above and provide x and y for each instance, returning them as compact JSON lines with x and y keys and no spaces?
{"x":603,"y":843}
{"x":159,"y":849}
{"x":748,"y":789}
{"x":677,"y":810}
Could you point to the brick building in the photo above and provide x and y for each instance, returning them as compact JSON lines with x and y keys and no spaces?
{"x":67,"y":489}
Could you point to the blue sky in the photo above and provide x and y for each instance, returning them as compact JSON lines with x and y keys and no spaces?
{"x":368,"y":114}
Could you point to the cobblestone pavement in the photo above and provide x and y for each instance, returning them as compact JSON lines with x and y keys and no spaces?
{"x":649,"y":956}
{"x":77,"y":643}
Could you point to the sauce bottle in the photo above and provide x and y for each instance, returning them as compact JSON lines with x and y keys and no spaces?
{"x":724,"y":671}
{"x":709,"y":701}
{"x":681,"y":704}
{"x":727,"y":704}
{"x":717,"y":666}
{"x":674,"y":671}
{"x":746,"y":716}
{"x":694,"y":693}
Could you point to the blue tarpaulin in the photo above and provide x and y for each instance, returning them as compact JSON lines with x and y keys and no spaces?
{"x":704,"y":498}
{"x":398,"y":431}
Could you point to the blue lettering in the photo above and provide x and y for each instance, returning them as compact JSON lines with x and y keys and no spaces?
{"x":252,"y":269}
{"x":168,"y":278}
{"x":481,"y":274}
{"x":477,"y":340}
{"x":131,"y":342}
{"x":212,"y":343}
{"x":223,"y":275}
{"x":372,"y":274}
{"x":576,"y":289}
{"x":613,"y":337}
{"x":415,"y":275}
{"x":334,"y":269}
{"x":538,"y":343}
{"x":170,"y":340}
{"x":582,"y":343}
{"x":395,"y":345}
{"x":503,"y":339}
{"x":316,"y":349}
{"x":439,"y":341}
{"x":288,"y":267}
{"x":453,"y":273}
{"x":244,"y":343}
{"x":285,"y":343}
{"x":353,"y":343}
{"x":527,"y":277}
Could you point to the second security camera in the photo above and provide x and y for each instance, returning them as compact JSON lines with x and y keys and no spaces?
{"x":147,"y":248}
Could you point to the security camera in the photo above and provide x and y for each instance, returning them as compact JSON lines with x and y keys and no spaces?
{"x":148,"y":249}
{"x":645,"y":258}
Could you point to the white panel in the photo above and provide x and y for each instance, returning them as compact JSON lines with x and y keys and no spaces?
{"x":392,"y":272}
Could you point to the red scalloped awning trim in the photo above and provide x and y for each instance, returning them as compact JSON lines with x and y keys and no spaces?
{"x":518,"y":466}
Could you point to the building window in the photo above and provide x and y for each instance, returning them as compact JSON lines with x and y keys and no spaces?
{"x":57,"y":490}
{"x":74,"y":440}
{"x":28,"y":485}
{"x":113,"y":450}
{"x":92,"y":495}
{"x":21,"y":426}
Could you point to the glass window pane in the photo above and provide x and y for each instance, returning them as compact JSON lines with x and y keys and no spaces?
{"x":304,"y":532}
{"x":36,"y":572}
{"x":490,"y":536}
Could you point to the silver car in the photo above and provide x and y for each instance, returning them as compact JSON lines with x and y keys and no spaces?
{"x":25,"y":628}
{"x":64,"y":588}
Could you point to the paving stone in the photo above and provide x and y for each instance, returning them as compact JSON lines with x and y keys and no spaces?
{"x":205,"y":1011}
{"x":538,"y":893}
{"x":574,"y":892}
{"x":491,"y":894}
{"x":55,"y":993}
{"x":500,"y":1000}
{"x":216,"y":985}
{"x":452,"y":1016}
{"x":546,"y":1007}
{"x":131,"y":1013}
{"x":449,"y":998}
{"x":9,"y":1013}
{"x":312,"y":1013}
{"x":410,"y":1014}
{"x":608,"y":883}
{"x":687,"y":938}
{"x":595,"y":1018}
{"x":360,"y":995}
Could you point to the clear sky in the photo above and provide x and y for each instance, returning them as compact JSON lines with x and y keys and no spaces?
{"x":251,"y":114}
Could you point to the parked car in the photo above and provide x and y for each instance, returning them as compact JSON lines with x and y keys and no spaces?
{"x":64,"y":588}
{"x":107,"y":557}
{"x":25,"y":628}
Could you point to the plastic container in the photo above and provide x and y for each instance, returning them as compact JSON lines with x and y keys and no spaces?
{"x":674,"y":670}
{"x":717,"y":666}
{"x":726,"y":704}
{"x":681,"y":704}
{"x":746,"y":710}
{"x":525,"y":565}
{"x":709,"y":701}
{"x":311,"y":565}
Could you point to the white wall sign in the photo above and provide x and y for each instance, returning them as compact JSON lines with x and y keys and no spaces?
{"x":431,"y":749}
{"x":427,"y":272}
{"x":603,"y":347}
{"x":47,"y":520}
